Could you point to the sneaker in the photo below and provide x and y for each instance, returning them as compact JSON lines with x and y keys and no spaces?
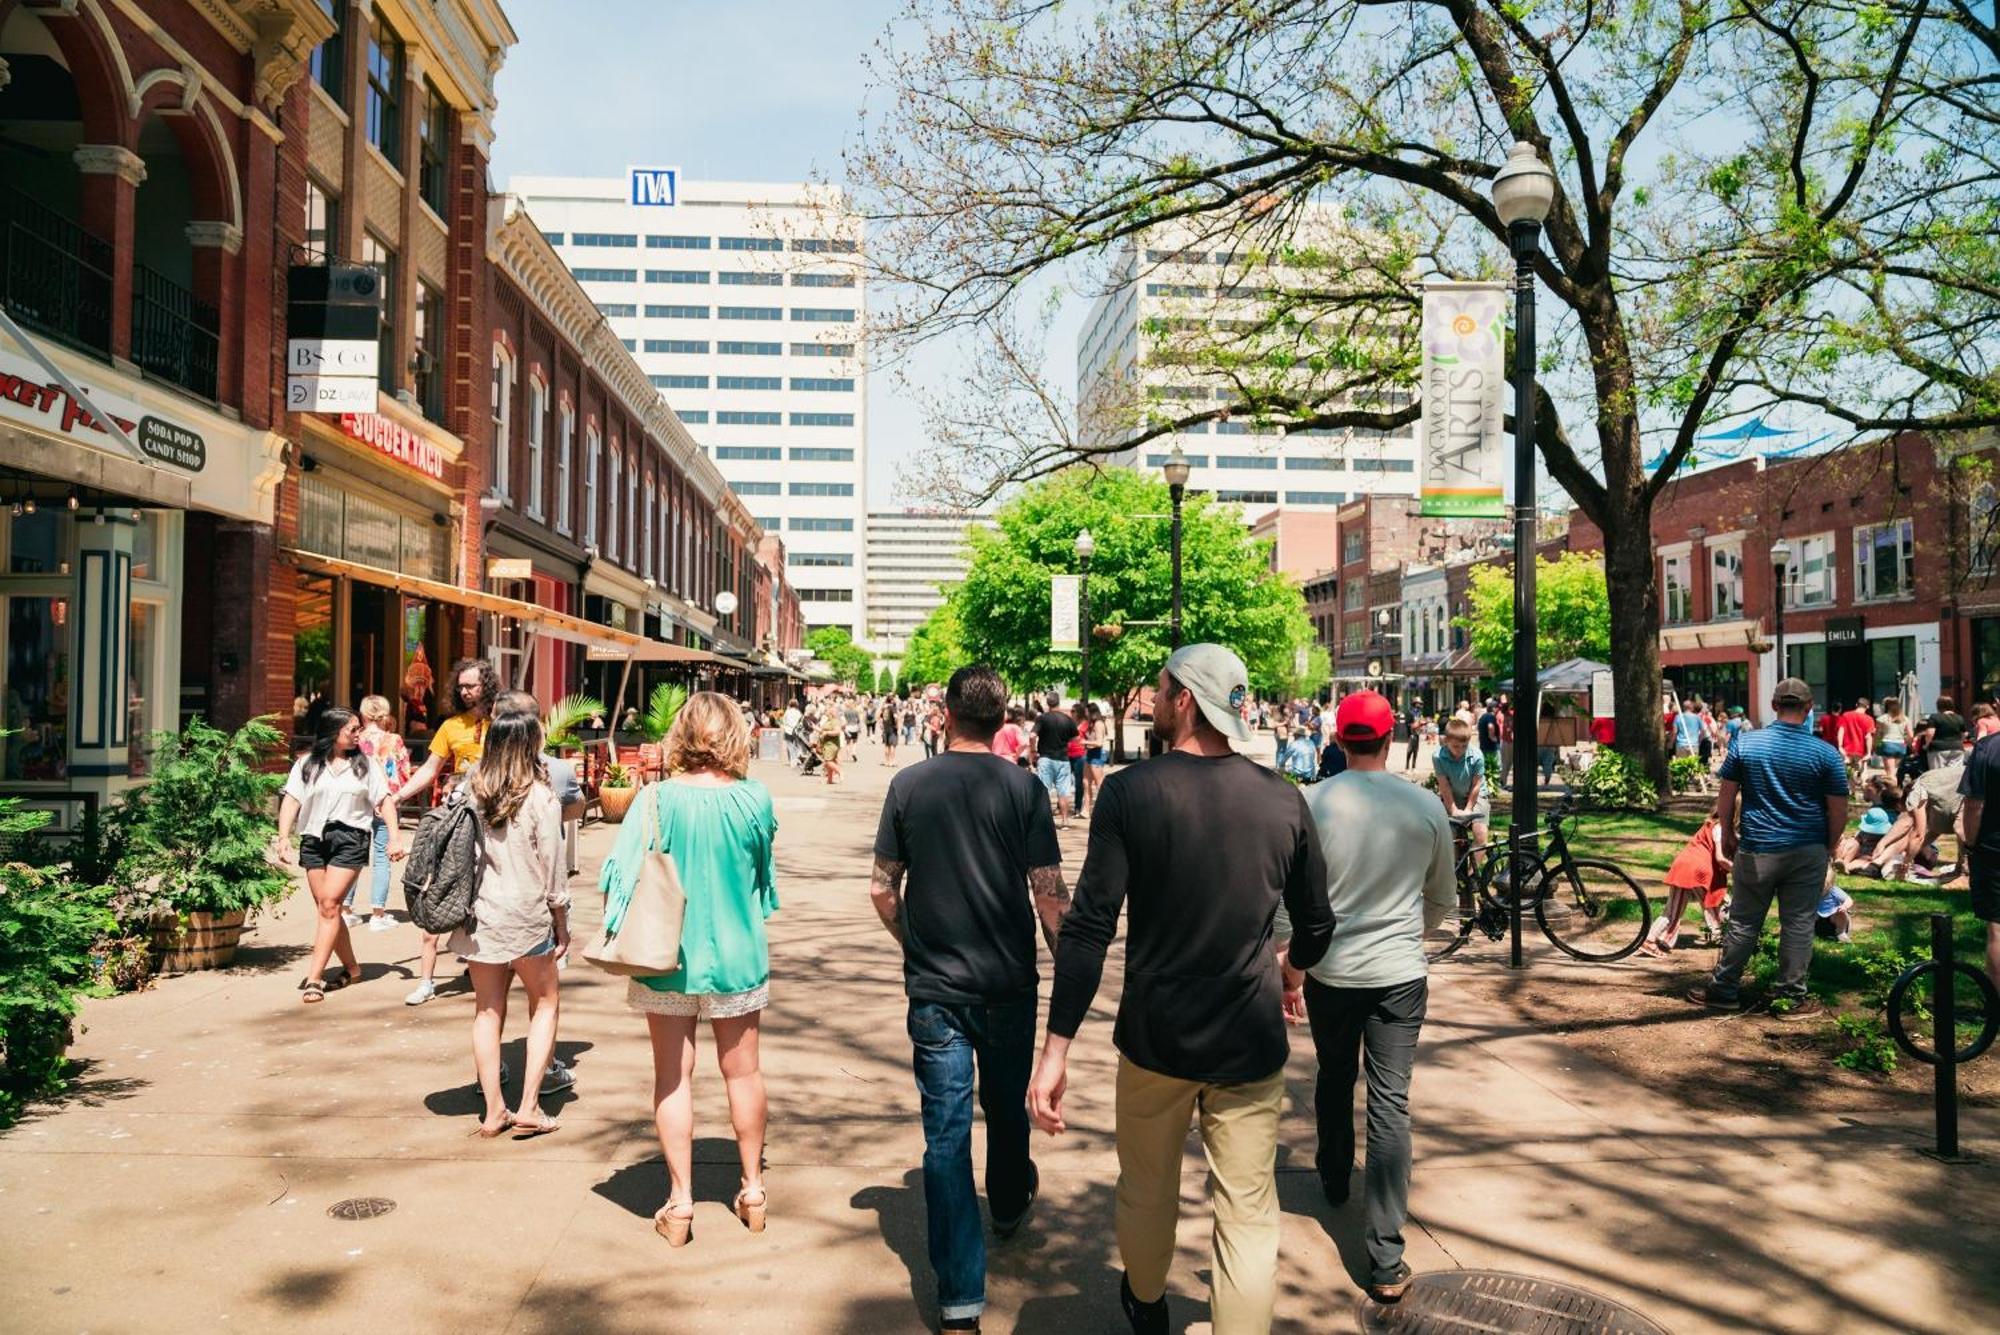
{"x":350,"y":917}
{"x":1392,"y":1290}
{"x":381,"y":922}
{"x":956,"y":1325}
{"x":1795,"y":1008}
{"x":1145,"y":1318}
{"x":421,"y":993}
{"x":559,"y":1076}
{"x":1701,"y":996}
{"x":1007,"y":1228}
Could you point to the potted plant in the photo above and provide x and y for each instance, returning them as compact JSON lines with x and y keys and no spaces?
{"x":615,"y":793}
{"x":200,"y":837}
{"x":561,"y":729}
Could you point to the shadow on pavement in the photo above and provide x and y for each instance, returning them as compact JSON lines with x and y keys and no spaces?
{"x":466,"y":1101}
{"x":641,"y":1188}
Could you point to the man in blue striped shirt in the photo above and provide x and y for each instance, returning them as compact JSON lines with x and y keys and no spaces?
{"x":1793,"y":790}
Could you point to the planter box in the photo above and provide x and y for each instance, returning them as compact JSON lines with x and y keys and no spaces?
{"x":209,"y":942}
{"x":616,"y":802}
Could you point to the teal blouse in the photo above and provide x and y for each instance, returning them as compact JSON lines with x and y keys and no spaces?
{"x":721,"y":839}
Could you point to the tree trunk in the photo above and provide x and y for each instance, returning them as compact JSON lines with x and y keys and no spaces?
{"x":1635,"y":636}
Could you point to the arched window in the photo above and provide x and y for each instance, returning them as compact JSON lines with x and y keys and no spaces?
{"x":565,"y":451}
{"x":593,"y":451}
{"x":538,"y":422}
{"x":503,"y":421}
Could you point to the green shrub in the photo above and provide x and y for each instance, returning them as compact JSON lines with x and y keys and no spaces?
{"x":200,"y":831}
{"x":48,"y":924}
{"x":1686,"y":773}
{"x":1869,"y":1047}
{"x":1614,"y":781}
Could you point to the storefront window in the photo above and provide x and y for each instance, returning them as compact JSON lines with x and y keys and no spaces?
{"x":142,"y":719}
{"x":1889,"y":658}
{"x":419,"y":685}
{"x":37,"y":545}
{"x":146,"y":546}
{"x":373,"y":535}
{"x":37,"y":699}
{"x":312,"y":651}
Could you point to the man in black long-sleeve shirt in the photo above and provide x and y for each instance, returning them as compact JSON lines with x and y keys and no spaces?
{"x":1199,"y":846}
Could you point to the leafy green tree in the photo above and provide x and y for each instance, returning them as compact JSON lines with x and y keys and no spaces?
{"x":1759,"y":203}
{"x":1229,"y":595}
{"x":1572,"y":612}
{"x":837,"y":649}
{"x":885,"y":680}
{"x":935,"y":650}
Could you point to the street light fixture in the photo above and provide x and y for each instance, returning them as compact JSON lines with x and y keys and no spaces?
{"x":1086,"y":547}
{"x":1176,"y":469}
{"x":1781,"y":562}
{"x":1523,"y":192}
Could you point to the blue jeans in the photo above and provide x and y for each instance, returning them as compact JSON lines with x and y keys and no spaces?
{"x":378,"y":870}
{"x":946,"y":1041}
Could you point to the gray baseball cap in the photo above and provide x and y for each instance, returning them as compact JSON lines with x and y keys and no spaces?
{"x":1792,"y":693}
{"x":1220,"y":684}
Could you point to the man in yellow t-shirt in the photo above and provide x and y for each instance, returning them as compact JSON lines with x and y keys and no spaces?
{"x":458,"y":743}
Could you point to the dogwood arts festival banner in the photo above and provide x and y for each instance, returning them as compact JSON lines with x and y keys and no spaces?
{"x":1460,"y":440}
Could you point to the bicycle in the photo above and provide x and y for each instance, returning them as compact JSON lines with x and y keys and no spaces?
{"x":1588,"y":908}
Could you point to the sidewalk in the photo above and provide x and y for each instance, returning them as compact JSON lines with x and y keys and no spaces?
{"x":185,"y":1184}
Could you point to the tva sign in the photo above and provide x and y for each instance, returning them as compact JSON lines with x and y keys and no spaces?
{"x":658,"y":187}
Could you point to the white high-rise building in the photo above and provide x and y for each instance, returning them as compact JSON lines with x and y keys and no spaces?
{"x":913,"y":555}
{"x":743,"y":304}
{"x":1144,"y":350}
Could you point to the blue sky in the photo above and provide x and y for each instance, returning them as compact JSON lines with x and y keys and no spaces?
{"x":766,"y":91}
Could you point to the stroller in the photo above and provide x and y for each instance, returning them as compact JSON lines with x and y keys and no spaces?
{"x":805,"y":754}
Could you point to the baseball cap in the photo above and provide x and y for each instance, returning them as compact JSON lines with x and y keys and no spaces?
{"x":1220,"y":684}
{"x":1363,"y":717}
{"x":1792,"y":692}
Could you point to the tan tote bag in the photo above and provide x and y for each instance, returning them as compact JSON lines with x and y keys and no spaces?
{"x":648,"y":941}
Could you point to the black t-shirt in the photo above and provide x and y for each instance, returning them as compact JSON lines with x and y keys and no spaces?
{"x":1052,"y":733}
{"x":1947,"y":733}
{"x":1981,"y":780}
{"x":968,"y":827}
{"x":1489,"y":731}
{"x":1197,"y":851}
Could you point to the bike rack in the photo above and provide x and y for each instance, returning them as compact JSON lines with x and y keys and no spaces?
{"x":1945,"y":1056}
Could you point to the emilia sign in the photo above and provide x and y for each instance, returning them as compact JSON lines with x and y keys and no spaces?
{"x":395,"y":440}
{"x":1459,"y":438}
{"x":653,"y":187}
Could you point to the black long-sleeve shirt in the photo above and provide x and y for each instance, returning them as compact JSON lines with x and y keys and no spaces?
{"x":1203,"y":848}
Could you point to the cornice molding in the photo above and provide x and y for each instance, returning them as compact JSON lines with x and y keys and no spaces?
{"x":110,"y":160}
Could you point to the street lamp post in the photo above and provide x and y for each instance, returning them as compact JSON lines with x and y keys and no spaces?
{"x":1522,"y":193}
{"x":1085,"y":547}
{"x":1176,"y":470}
{"x":1781,"y":561}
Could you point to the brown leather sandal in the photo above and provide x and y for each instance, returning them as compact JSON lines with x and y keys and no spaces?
{"x":752,"y":1213}
{"x":677,"y":1229}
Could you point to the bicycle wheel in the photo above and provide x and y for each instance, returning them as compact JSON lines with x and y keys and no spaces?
{"x":1593,"y":911}
{"x":1459,"y":922}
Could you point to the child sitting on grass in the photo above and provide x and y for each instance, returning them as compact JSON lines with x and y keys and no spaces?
{"x":1836,"y":912}
{"x":1699,"y":871}
{"x":1885,"y":799}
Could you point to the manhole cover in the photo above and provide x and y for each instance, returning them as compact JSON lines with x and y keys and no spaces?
{"x":1453,"y":1301}
{"x":361,"y":1207}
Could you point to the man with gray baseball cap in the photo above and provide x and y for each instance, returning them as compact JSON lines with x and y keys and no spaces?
{"x":1198,"y":846}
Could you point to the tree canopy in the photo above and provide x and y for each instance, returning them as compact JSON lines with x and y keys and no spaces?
{"x":1572,"y":612}
{"x":1758,"y":204}
{"x":935,"y":650}
{"x":835,"y":646}
{"x":1229,"y":593}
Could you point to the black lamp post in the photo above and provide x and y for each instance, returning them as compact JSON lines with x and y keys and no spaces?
{"x":1085,"y":546}
{"x":1522,"y":193}
{"x":1781,"y":561}
{"x":1177,"y":475}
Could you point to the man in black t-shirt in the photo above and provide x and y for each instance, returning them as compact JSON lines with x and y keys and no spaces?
{"x":1979,"y":842}
{"x":971,"y":835}
{"x":1053,"y":731}
{"x":1197,"y":846}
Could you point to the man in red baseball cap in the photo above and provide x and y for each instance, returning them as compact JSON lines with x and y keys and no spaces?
{"x":1388,"y":855}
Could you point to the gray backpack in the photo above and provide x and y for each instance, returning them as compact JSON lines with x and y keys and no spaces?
{"x":441,"y":874}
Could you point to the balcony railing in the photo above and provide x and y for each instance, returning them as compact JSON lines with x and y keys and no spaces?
{"x":55,"y":277}
{"x":175,"y":334}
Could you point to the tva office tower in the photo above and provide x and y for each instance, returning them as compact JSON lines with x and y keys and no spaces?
{"x":743,"y":303}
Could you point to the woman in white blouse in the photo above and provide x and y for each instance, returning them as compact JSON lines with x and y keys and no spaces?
{"x":520,"y":916}
{"x":332,"y":800}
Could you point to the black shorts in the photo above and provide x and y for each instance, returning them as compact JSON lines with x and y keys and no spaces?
{"x":336,"y":846}
{"x":1985,"y":887}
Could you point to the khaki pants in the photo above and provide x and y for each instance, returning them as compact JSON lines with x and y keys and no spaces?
{"x":1239,"y":1134}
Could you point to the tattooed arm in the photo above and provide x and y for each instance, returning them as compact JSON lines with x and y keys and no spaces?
{"x":885,"y":888}
{"x":1051,"y":901}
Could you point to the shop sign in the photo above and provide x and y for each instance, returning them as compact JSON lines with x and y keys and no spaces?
{"x":27,"y":397}
{"x":654,"y":187}
{"x":395,"y":440}
{"x":510,"y":567}
{"x":1845,"y":630}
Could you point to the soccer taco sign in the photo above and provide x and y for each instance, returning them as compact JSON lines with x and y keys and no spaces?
{"x":1459,"y":438}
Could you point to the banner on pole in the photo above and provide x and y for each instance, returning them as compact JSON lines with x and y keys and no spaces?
{"x":1065,"y":624}
{"x":1460,"y":443}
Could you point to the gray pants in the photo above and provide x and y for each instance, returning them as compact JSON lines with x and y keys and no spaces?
{"x":1371,"y":1029}
{"x":1796,"y":878}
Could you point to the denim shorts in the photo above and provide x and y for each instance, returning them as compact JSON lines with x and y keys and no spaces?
{"x":1056,"y":776}
{"x":546,"y":948}
{"x":1895,"y":748}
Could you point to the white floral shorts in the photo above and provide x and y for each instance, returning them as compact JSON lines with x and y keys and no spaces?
{"x":701,"y":1005}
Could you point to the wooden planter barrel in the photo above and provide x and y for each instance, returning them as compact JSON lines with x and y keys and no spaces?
{"x":616,"y":802}
{"x":208,"y":943}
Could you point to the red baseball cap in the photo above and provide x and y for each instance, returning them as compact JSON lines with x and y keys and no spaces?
{"x":1363,"y":717}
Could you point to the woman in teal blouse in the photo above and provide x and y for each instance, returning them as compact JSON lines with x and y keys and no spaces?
{"x":718,"y":824}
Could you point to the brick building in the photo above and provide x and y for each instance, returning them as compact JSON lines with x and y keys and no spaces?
{"x":1302,"y":541}
{"x":1889,"y":588}
{"x":1384,"y":534}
